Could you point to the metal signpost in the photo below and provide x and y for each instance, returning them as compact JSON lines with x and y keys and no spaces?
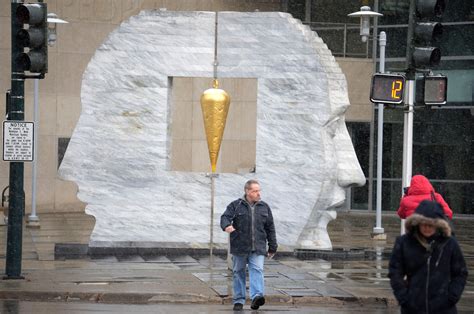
{"x":29,"y":53}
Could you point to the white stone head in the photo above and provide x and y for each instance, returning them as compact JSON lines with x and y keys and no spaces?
{"x":119,"y":152}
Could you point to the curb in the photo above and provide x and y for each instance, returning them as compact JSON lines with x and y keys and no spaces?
{"x":156,"y":298}
{"x":109,"y":297}
{"x":63,"y":251}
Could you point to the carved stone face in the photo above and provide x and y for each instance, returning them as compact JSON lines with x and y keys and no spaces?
{"x":119,"y":152}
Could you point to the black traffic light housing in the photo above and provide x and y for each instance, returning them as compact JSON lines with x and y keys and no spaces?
{"x":430,"y":8}
{"x":424,"y":32}
{"x":32,"y":37}
{"x":432,"y":90}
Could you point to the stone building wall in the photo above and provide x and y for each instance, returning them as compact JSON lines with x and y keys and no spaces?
{"x":90,"y":21}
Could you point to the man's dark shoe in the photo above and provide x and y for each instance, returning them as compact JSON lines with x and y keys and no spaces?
{"x":238,"y":307}
{"x":257,"y":302}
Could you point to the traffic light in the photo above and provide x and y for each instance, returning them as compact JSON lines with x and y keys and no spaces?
{"x":387,"y":88}
{"x":424,"y":33}
{"x":432,"y":90}
{"x":32,"y":38}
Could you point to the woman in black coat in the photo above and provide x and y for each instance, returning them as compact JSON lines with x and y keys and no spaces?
{"x":427,"y":269}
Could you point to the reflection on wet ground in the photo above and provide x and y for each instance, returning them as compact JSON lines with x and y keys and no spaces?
{"x":16,"y":307}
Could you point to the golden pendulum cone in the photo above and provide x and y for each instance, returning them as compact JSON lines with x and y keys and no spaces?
{"x":215,"y":104}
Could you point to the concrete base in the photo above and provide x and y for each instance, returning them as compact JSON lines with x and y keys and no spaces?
{"x":378,"y":236}
{"x":33,"y":222}
{"x":334,"y":254}
{"x":68,"y":251}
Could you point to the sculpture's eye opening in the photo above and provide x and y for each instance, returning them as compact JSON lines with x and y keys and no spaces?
{"x":189,"y":148}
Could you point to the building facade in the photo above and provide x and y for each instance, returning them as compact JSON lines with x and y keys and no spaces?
{"x":443,"y":137}
{"x":443,"y":140}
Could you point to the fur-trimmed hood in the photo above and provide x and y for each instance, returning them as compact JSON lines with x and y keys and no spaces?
{"x":441,"y":224}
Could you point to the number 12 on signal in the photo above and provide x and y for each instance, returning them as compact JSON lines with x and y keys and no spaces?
{"x":397,"y":88}
{"x":387,"y":88}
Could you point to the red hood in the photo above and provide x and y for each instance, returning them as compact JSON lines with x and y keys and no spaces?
{"x":420,"y":185}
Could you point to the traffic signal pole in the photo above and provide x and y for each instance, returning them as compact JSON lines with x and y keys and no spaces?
{"x":17,"y":196}
{"x":409,"y":108}
{"x":29,"y":53}
{"x":378,"y":230}
{"x":407,"y":140}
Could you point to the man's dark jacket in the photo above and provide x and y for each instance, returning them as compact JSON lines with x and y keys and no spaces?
{"x":239,"y":215}
{"x":435,"y":274}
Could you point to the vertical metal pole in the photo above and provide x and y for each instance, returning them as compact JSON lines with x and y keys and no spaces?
{"x":344,"y":48}
{"x":378,"y":224}
{"x":408,"y":114}
{"x":33,"y":219}
{"x":367,"y":49}
{"x":410,"y":30}
{"x":370,"y":203}
{"x":407,"y":140}
{"x":379,"y":261}
{"x":211,"y":224}
{"x":17,"y":195}
{"x":307,"y":11}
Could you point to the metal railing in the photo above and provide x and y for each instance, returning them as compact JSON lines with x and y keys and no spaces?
{"x":343,"y":40}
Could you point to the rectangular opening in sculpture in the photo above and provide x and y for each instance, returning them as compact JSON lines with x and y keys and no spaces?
{"x":189,"y":151}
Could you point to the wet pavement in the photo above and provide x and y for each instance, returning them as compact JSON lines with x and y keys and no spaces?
{"x":339,"y":282}
{"x":15,"y":307}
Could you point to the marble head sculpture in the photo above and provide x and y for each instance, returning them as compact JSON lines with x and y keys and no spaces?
{"x":119,"y":152}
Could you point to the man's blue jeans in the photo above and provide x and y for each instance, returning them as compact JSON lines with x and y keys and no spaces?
{"x":257,"y":287}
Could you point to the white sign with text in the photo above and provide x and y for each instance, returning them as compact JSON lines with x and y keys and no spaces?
{"x":18,"y":141}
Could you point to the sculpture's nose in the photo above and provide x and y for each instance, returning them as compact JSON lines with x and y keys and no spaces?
{"x":349,"y":172}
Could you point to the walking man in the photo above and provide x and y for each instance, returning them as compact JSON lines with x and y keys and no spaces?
{"x":249,"y":222}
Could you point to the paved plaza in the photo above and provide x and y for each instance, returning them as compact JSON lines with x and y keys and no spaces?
{"x":355,"y":272}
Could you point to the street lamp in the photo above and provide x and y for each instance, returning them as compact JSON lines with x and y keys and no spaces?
{"x":33,"y":219}
{"x":365,"y":14}
{"x":53,"y":21}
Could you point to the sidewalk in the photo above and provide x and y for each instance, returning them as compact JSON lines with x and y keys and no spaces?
{"x":187,"y":278}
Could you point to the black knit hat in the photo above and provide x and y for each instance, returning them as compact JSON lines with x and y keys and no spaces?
{"x":430,"y":209}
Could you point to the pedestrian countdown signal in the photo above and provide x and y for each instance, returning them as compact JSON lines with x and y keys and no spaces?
{"x":387,"y":88}
{"x":435,"y":90}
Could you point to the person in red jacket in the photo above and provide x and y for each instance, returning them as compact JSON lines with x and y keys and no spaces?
{"x":420,"y":189}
